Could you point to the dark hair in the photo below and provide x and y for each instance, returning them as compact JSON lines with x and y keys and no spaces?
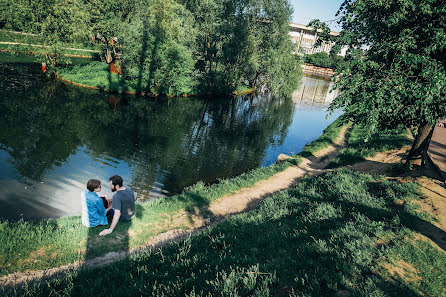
{"x":116,"y":180}
{"x":93,"y":184}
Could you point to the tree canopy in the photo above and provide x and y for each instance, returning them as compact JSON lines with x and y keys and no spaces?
{"x":395,"y":75}
{"x":172,"y":46}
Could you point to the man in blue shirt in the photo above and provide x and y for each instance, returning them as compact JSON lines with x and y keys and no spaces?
{"x":94,"y":212}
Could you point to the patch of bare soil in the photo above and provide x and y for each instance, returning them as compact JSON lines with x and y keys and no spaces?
{"x":381,"y":163}
{"x":404,"y":270}
{"x":432,"y":187}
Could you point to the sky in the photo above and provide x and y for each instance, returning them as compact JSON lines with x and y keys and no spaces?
{"x":324,"y":10}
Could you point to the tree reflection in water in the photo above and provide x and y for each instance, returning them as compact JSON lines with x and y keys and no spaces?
{"x":164,"y":143}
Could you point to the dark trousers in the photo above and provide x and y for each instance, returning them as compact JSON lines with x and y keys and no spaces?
{"x":110,"y":213}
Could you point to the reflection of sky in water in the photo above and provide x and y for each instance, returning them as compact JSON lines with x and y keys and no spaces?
{"x":168,"y":145}
{"x":308,"y":124}
{"x":59,"y":192}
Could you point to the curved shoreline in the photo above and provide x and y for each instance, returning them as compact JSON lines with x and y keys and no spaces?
{"x":142,"y":94}
{"x":222,"y":208}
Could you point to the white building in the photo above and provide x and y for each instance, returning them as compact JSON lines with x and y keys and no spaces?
{"x":305,"y":38}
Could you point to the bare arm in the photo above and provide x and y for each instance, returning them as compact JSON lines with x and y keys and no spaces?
{"x":115,"y":221}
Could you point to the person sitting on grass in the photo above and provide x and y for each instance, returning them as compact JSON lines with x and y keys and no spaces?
{"x":123,"y":203}
{"x":94,"y":211}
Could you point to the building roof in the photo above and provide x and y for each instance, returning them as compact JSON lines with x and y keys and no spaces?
{"x":308,"y":30}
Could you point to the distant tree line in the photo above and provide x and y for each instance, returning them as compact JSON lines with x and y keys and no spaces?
{"x":325,"y":60}
{"x":171,"y":46}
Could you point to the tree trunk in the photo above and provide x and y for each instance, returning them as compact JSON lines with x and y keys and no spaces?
{"x":421,"y":144}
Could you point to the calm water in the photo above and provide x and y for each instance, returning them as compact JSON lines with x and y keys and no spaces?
{"x":54,"y":137}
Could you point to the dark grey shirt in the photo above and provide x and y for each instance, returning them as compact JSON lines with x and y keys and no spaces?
{"x":125,"y":202}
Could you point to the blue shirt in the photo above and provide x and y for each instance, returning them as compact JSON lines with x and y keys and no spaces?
{"x":93,"y":210}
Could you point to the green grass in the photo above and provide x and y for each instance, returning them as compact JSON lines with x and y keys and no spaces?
{"x":331,"y":133}
{"x":52,"y":243}
{"x":357,"y":149}
{"x":7,"y":36}
{"x":328,"y":236}
{"x":95,"y":74}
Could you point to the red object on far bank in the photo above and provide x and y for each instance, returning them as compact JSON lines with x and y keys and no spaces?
{"x":44,"y":67}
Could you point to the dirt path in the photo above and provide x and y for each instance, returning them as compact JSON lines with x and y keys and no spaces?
{"x":248,"y":198}
{"x":38,"y":45}
{"x":244,"y":200}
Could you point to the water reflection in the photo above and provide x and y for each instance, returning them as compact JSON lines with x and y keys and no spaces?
{"x":315,"y":91}
{"x":55,"y":137}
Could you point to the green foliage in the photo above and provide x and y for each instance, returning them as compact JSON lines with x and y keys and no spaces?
{"x":324,"y":60}
{"x":395,"y":75}
{"x":244,"y":42}
{"x":317,"y":239}
{"x":361,"y":146}
{"x":157,"y":55}
{"x":171,"y":47}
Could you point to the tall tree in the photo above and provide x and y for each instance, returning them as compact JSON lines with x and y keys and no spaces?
{"x":396,"y":70}
{"x":157,"y":46}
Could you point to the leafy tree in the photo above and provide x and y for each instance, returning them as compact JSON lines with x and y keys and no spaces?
{"x":396,"y":70}
{"x":157,"y":46}
{"x":244,"y":42}
{"x":66,"y":22}
{"x":325,"y":60}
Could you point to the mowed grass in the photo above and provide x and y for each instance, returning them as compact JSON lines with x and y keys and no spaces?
{"x":338,"y":234}
{"x":29,"y":40}
{"x":357,"y":149}
{"x":95,"y":74}
{"x":52,"y":243}
{"x":9,"y":36}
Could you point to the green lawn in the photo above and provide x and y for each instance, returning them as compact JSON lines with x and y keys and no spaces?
{"x":332,"y":235}
{"x":357,"y":149}
{"x":30,"y":40}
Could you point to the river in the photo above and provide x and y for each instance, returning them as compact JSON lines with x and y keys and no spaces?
{"x":54,"y":137}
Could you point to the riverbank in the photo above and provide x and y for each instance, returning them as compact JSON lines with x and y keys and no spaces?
{"x":340,"y":233}
{"x":52,"y":243}
{"x":201,"y":206}
{"x":97,"y":76}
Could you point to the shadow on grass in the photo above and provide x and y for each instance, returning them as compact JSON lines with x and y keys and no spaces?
{"x":323,"y":238}
{"x":357,"y":149}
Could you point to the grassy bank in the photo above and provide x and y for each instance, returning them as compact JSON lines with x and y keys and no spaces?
{"x":52,"y":243}
{"x":97,"y":75}
{"x":330,"y":135}
{"x":357,"y":149}
{"x":338,"y":234}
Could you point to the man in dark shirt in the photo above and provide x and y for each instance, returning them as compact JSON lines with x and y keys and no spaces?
{"x":123,"y":203}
